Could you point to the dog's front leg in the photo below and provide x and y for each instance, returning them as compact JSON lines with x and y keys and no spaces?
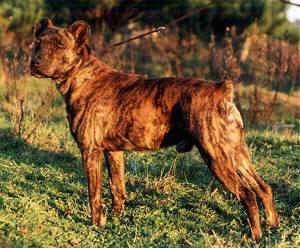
{"x":116,"y":170}
{"x":92,"y":162}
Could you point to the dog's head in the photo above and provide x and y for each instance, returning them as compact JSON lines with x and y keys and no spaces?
{"x":56,"y":51}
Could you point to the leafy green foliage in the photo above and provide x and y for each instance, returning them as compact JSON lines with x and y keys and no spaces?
{"x":212,"y":16}
{"x":66,"y":11}
{"x":20,"y":15}
{"x":274,"y":22}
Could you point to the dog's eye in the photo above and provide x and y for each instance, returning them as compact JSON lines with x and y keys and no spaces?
{"x":59,"y":43}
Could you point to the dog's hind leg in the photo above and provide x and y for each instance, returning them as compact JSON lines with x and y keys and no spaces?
{"x":223,"y":169}
{"x":92,"y":162}
{"x":264,"y":192}
{"x":220,"y":136}
{"x":116,"y":169}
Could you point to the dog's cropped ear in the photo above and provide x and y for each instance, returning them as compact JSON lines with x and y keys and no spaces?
{"x":41,"y":26}
{"x":81,"y":32}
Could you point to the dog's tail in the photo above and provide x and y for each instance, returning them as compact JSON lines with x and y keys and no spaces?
{"x":227,"y":89}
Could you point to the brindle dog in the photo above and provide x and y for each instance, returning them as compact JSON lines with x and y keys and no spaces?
{"x":110,"y":111}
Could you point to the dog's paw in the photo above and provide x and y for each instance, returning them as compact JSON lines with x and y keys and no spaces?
{"x":100,"y":222}
{"x":118,"y":210}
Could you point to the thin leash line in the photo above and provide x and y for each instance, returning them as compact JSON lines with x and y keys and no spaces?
{"x":161,"y":28}
{"x":189,"y":14}
{"x":155,"y":30}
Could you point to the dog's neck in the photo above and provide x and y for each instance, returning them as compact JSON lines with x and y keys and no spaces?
{"x":84,"y":70}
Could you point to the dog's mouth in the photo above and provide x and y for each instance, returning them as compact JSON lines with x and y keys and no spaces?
{"x":37,"y":75}
{"x":36,"y":70}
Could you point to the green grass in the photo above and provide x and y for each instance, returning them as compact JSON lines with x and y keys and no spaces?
{"x":173,"y":201}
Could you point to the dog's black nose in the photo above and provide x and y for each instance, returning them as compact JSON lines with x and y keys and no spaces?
{"x":34,"y":63}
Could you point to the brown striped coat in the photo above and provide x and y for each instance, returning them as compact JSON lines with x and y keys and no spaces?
{"x":110,"y":111}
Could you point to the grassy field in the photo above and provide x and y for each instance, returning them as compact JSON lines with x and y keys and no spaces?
{"x":173,"y":201}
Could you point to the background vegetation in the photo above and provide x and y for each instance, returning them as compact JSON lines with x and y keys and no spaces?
{"x":172,"y":199}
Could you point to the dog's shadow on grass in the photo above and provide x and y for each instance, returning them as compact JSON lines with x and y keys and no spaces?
{"x":33,"y":181}
{"x":16,"y":149}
